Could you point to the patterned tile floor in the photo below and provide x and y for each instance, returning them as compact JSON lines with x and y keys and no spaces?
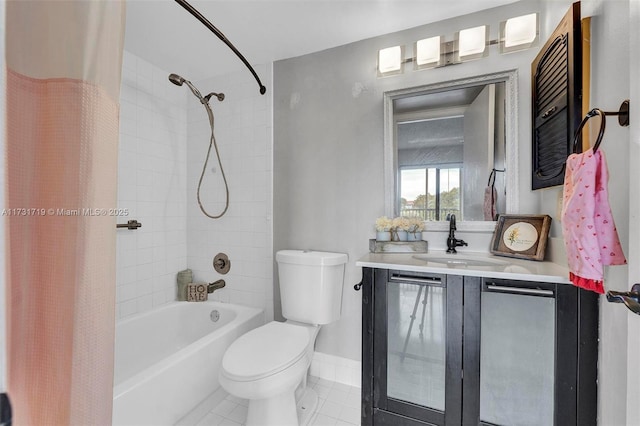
{"x":338,"y":405}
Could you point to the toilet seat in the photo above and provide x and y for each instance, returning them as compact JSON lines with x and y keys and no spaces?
{"x":265,"y":351}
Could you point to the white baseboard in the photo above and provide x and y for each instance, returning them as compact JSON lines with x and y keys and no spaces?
{"x":336,"y":369}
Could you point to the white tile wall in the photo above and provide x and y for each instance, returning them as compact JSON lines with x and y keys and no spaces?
{"x":152,"y":169}
{"x":243,"y":131}
{"x":336,"y":369}
{"x":164,"y":137}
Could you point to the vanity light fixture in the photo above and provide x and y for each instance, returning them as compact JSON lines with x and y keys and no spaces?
{"x":427,"y":53}
{"x":518,"y":33}
{"x":472,"y":43}
{"x":390,"y":61}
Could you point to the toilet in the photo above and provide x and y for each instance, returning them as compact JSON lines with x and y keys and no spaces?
{"x":269,"y":364}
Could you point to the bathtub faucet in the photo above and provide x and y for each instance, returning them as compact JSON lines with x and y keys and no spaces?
{"x":217,"y":285}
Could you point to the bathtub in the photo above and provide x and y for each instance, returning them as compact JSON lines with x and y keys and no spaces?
{"x":167,"y":360}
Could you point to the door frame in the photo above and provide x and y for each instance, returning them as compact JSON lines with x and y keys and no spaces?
{"x":633,"y":327}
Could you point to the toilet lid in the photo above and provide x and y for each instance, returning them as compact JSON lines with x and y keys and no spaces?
{"x":264,"y":351}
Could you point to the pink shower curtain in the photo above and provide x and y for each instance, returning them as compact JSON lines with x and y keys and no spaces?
{"x":63,"y":82}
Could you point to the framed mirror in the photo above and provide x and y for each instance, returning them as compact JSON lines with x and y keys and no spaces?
{"x":442,"y":143}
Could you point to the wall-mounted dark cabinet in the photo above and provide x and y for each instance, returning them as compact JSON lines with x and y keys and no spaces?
{"x":556,"y":89}
{"x":459,"y":350}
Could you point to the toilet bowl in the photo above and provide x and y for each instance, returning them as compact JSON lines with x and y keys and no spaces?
{"x":269,"y":364}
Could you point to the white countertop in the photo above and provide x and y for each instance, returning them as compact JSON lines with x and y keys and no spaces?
{"x":469,"y":263}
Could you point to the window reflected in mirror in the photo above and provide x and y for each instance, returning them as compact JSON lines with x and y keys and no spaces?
{"x":447,"y":143}
{"x":431,"y":192}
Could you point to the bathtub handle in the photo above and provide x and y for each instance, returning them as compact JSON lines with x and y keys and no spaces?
{"x":221,"y":263}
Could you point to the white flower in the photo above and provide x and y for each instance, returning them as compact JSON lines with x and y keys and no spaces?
{"x":416,"y":224}
{"x":401,"y":223}
{"x":383,"y":223}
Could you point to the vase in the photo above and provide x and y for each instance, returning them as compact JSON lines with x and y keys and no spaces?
{"x":399,"y":235}
{"x":383,"y":236}
{"x":414,"y":236}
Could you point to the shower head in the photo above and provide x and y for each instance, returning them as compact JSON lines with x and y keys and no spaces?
{"x":176,"y":79}
{"x":179,"y":81}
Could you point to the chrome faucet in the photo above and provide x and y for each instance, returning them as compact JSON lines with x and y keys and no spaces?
{"x":452,"y":242}
{"x":217,"y":285}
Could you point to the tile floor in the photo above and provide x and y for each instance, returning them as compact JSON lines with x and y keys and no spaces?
{"x":338,"y":405}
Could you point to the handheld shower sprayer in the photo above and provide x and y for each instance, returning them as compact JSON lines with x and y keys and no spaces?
{"x":179,"y":81}
{"x":176,"y":79}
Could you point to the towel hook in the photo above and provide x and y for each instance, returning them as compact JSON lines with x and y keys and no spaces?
{"x":623,"y":120}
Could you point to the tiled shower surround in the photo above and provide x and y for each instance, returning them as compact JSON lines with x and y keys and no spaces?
{"x":164,"y":137}
{"x":244,"y":135}
{"x":152,"y":169}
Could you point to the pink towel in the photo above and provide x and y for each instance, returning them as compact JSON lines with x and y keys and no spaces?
{"x":490,"y":198}
{"x":590,"y":235}
{"x":489,"y":206}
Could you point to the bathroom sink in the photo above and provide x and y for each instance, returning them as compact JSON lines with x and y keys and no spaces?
{"x":460,"y":260}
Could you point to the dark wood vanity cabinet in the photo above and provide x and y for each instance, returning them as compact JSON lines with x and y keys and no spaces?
{"x":463,"y":350}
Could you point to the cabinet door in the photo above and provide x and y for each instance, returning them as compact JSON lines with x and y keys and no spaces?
{"x":525,"y":346}
{"x":418,"y":347}
{"x":517,"y":354}
{"x":556,"y":82}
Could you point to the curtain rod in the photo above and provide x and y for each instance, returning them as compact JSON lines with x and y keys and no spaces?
{"x":192,"y":10}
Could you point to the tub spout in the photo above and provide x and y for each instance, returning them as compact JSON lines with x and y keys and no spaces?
{"x":217,"y":285}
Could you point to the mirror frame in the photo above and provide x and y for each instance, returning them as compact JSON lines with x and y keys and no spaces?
{"x":510,"y":78}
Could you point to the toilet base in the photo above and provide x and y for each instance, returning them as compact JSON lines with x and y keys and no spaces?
{"x":279,"y":410}
{"x":307,"y":406}
{"x":282,"y":410}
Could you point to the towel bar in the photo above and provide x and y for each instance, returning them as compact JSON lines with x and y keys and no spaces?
{"x":623,"y":120}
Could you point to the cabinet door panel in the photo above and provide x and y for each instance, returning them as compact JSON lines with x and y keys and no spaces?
{"x":517,"y":357}
{"x":417,"y":338}
{"x":416,"y":343}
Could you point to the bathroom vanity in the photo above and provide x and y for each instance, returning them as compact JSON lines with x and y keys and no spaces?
{"x":475,"y":339}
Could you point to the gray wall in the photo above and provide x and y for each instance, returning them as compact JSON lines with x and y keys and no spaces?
{"x":328,"y":147}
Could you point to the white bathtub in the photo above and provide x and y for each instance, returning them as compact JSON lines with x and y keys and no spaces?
{"x":167,"y":360}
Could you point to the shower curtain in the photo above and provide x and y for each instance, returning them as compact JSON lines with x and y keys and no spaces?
{"x":63,"y":66}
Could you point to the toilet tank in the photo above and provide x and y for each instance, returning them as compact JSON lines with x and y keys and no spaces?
{"x":311,"y":285}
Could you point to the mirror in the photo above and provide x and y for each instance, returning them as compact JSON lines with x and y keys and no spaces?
{"x":442,"y":142}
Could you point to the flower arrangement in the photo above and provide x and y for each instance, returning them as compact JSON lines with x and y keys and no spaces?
{"x":383,"y":224}
{"x":416,"y":225}
{"x":399,"y":228}
{"x":401,"y":223}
